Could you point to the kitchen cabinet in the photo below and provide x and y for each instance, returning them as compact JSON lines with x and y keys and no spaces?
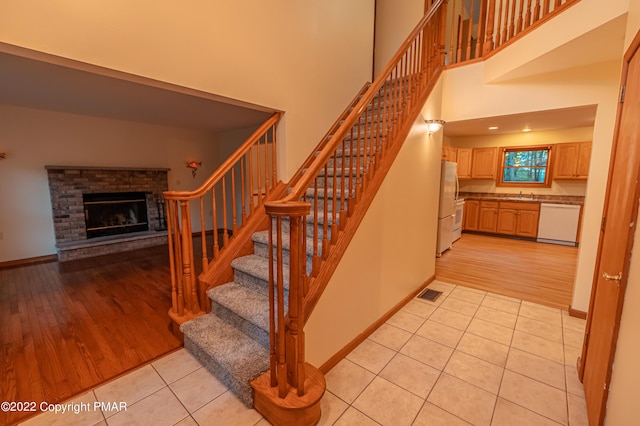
{"x":471,"y":213}
{"x":518,"y":218}
{"x":484,"y":164}
{"x":464,"y":163}
{"x":572,"y":160}
{"x":488,"y":216}
{"x":449,"y":153}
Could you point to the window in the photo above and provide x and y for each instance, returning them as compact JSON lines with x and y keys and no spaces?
{"x":525,"y":166}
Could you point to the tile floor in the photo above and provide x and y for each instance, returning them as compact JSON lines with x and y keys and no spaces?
{"x":471,"y":357}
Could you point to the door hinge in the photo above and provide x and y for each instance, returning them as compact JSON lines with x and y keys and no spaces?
{"x":623,"y":90}
{"x":603,"y":224}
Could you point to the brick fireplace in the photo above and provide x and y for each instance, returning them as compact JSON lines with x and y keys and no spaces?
{"x":74,"y":220}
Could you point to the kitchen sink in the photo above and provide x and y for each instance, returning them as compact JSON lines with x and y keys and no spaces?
{"x":518,"y":199}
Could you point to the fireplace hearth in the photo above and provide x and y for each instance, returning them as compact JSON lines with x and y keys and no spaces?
{"x":115,"y":213}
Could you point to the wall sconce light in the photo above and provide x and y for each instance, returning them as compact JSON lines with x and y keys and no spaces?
{"x":193,"y":165}
{"x":434,"y":125}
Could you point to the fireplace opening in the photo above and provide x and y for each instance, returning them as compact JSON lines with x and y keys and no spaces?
{"x":115,"y":213}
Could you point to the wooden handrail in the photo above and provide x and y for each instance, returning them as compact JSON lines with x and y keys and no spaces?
{"x":249,"y":175}
{"x":227,"y":165}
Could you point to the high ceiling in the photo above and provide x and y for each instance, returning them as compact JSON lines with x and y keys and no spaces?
{"x":556,"y":119}
{"x":45,"y":84}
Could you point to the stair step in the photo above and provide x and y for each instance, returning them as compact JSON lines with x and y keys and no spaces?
{"x":253,"y":272}
{"x":230,"y":355}
{"x":261,"y":246}
{"x":244,"y":308}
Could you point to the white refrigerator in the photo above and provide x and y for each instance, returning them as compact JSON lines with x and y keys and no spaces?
{"x":447,"y":206}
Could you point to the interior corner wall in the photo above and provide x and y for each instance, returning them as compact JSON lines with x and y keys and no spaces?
{"x":394,"y":21}
{"x":34,"y":138}
{"x":392,"y":252}
{"x":307,"y":59}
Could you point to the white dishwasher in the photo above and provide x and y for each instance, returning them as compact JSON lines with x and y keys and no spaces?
{"x":558,"y":223}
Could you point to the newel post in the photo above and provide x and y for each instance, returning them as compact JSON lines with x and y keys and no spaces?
{"x":287,"y":358}
{"x":188,"y":276}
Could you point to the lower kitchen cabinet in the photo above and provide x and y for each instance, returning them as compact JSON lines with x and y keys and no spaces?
{"x":518,"y":218}
{"x":488,"y":216}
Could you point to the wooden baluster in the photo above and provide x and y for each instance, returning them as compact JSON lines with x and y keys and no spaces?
{"x":273,"y":355}
{"x":520,"y":14}
{"x":482,"y":25}
{"x":281,"y":351}
{"x":334,"y":204}
{"x":491,"y":20}
{"x":340,"y":192}
{"x":527,"y":19}
{"x":545,"y":8}
{"x":451,"y":56}
{"x":274,"y":152}
{"x":512,"y":20}
{"x":188,"y":276}
{"x":259,"y":174}
{"x":225,"y":226}
{"x":243,"y":191}
{"x":170,"y":217}
{"x":178,"y":254}
{"x":234,"y":215}
{"x":469,"y":33}
{"x":325,"y":211}
{"x":536,"y":11}
{"x":315,"y":260}
{"x":251,"y":178}
{"x":558,"y":4}
{"x":502,"y":22}
{"x":203,"y":242}
{"x":216,"y":244}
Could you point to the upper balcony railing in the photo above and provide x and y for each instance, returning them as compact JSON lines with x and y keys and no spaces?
{"x":475,"y":28}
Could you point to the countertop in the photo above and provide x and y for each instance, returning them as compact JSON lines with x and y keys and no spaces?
{"x":537,"y":198}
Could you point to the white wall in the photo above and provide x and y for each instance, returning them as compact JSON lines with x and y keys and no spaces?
{"x":384,"y":263}
{"x":305,"y":58}
{"x":35,"y":138}
{"x":394,"y":21}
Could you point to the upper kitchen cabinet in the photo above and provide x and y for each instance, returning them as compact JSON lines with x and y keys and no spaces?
{"x":464,"y":163}
{"x":484,"y":164}
{"x":449,"y":153}
{"x":572,"y":160}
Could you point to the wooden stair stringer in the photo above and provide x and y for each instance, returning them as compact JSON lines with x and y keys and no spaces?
{"x":318,"y":284}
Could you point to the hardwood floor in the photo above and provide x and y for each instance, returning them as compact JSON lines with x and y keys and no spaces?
{"x":537,"y":272}
{"x":67,"y":327}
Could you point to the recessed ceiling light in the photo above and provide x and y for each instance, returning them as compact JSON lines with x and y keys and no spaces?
{"x":493,"y":128}
{"x":526,"y":129}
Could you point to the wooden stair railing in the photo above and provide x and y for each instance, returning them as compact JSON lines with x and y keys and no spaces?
{"x":346,"y":173}
{"x":230,"y":198}
{"x":477,"y":28}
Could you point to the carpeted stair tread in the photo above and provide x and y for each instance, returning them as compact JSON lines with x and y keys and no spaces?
{"x":258,"y":267}
{"x":262,"y":237}
{"x":234,"y":358}
{"x":245,"y":309}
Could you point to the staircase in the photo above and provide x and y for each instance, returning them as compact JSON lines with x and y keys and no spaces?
{"x":244,"y":316}
{"x":232,"y":341}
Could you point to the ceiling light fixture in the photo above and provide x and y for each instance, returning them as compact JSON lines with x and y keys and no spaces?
{"x":493,"y":128}
{"x":526,"y":129}
{"x":434,"y":125}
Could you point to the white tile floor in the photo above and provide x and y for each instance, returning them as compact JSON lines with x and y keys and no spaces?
{"x":469,"y":358}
